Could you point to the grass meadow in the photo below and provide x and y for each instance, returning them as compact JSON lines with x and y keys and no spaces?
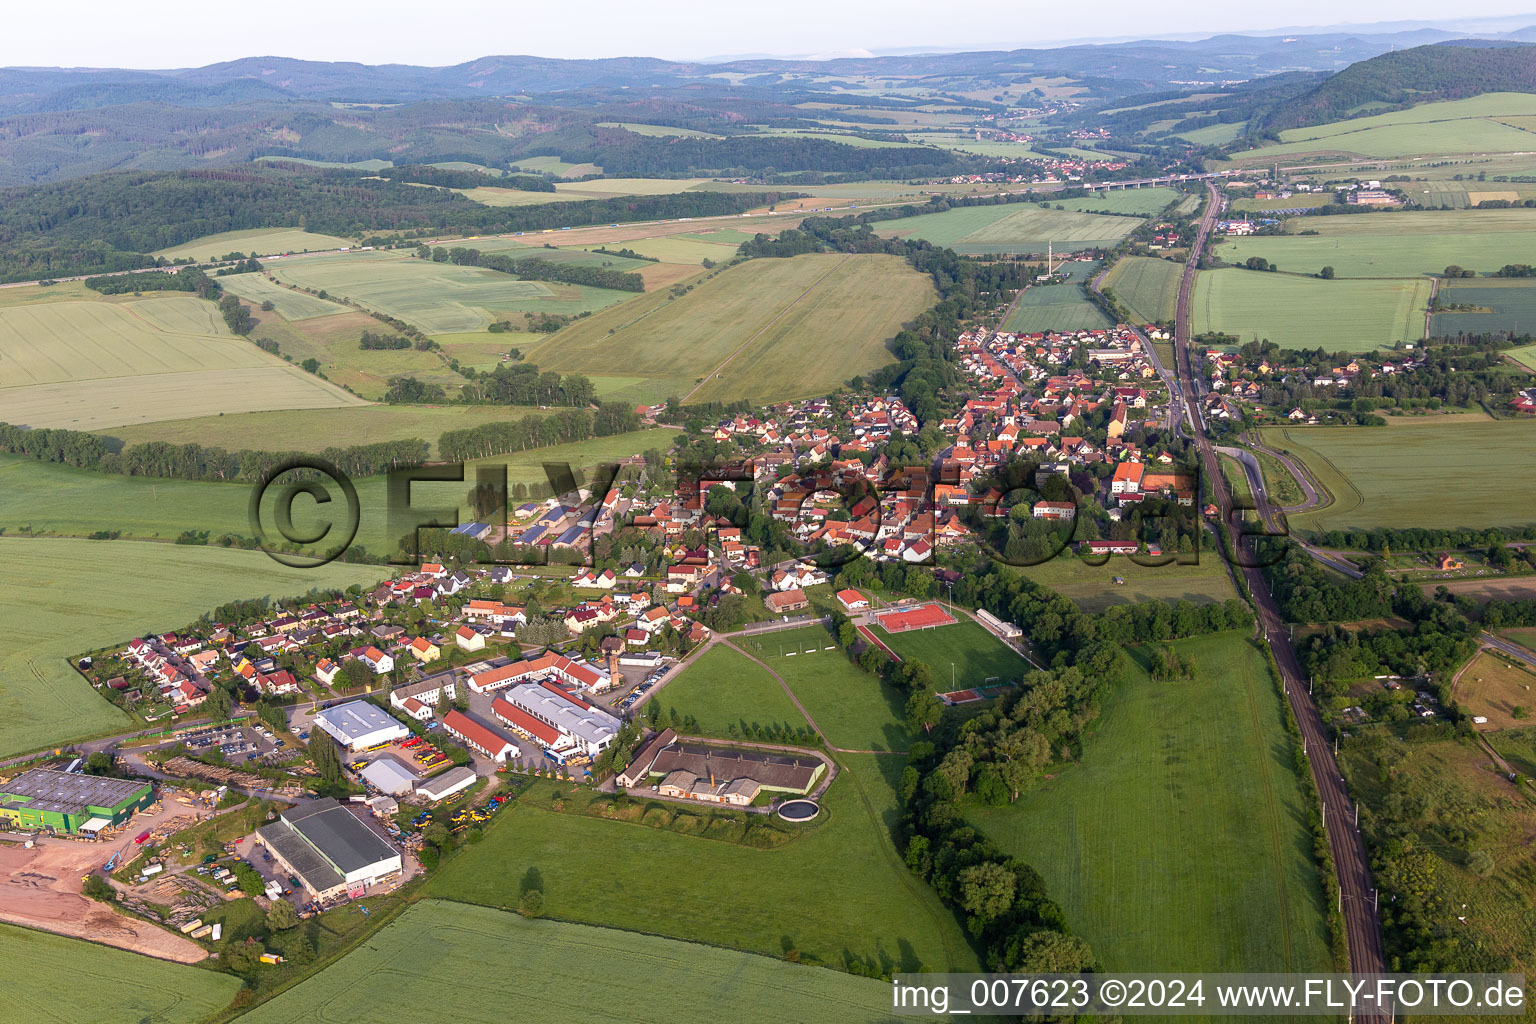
{"x":958,"y":656}
{"x":1435,"y":472}
{"x":1510,"y":305}
{"x":1141,"y":201}
{"x":290,"y":304}
{"x":1093,"y":588}
{"x":574,"y":967}
{"x":92,"y":364}
{"x":1472,"y":125}
{"x":314,"y":430}
{"x":64,"y":597}
{"x":1058,"y":307}
{"x":839,"y":889}
{"x":1395,"y":244}
{"x":440,"y":298}
{"x":1453,"y":773}
{"x":1147,"y":286}
{"x":261,"y":241}
{"x":1011,"y":228}
{"x":1304,"y":312}
{"x":789,"y":328}
{"x":853,"y":709}
{"x":724,"y":687}
{"x":55,"y":980}
{"x":1525,"y":355}
{"x":1178,"y":840}
{"x":1494,"y":685}
{"x":64,"y":501}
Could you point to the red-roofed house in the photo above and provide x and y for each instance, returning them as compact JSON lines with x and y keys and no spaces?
{"x":852,"y":600}
{"x":468,"y":639}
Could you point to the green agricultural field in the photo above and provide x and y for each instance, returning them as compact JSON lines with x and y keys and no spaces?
{"x":1177,"y":841}
{"x":1304,"y":312}
{"x":853,"y":709}
{"x":1394,"y":244}
{"x":1142,"y":201}
{"x":333,"y":341}
{"x":1093,"y":588}
{"x":92,"y":364}
{"x":66,"y":596}
{"x":314,"y":430}
{"x":1510,"y":305}
{"x":290,"y":304}
{"x":723,"y":687}
{"x":658,"y":131}
{"x":61,"y":500}
{"x":356,"y":165}
{"x":1213,"y":135}
{"x":55,"y":980}
{"x":1296,"y":201}
{"x":554,"y":165}
{"x":1058,"y":307}
{"x":606,"y":187}
{"x":1011,"y":228}
{"x":261,"y":241}
{"x":841,"y":889}
{"x":1147,"y":286}
{"x":1473,"y":125}
{"x":440,"y":298}
{"x":491,"y":195}
{"x":683,"y":981}
{"x":679,"y":248}
{"x":1435,"y":472}
{"x":1525,"y":355}
{"x":961,"y":655}
{"x":771,"y":329}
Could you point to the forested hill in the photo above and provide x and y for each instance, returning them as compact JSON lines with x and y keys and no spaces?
{"x":1424,"y":74}
{"x":107,"y":222}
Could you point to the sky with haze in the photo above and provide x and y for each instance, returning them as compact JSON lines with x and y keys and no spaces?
{"x":110,"y":33}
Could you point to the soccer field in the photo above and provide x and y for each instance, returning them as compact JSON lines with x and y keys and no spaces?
{"x":1434,"y":472}
{"x":1011,"y":228}
{"x":63,"y":597}
{"x":590,"y":974}
{"x":958,"y":656}
{"x":1304,"y":312}
{"x":54,"y":980}
{"x":1178,"y":839}
{"x":1394,"y":244}
{"x":440,"y":298}
{"x":772,"y":329}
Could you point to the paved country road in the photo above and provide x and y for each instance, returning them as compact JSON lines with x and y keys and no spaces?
{"x":1356,"y":896}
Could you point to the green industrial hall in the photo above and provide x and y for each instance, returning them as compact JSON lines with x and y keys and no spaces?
{"x":56,"y":801}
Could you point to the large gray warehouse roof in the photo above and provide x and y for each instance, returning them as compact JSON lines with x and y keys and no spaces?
{"x":356,"y":719}
{"x":332,"y":829}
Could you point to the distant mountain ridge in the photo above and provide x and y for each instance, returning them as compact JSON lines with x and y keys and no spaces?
{"x":1449,"y":70}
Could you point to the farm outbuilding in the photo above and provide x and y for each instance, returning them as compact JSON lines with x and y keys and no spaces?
{"x":390,"y":776}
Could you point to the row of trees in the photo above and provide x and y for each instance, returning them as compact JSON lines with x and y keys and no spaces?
{"x":534,"y":432}
{"x":533,"y":268}
{"x":193,"y":461}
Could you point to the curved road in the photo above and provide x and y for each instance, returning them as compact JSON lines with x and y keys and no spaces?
{"x":1356,"y":895}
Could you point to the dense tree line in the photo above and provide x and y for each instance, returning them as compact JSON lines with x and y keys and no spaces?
{"x":445,"y":177}
{"x":382,"y":342}
{"x":1382,"y":539}
{"x":107,"y":222}
{"x":194,"y":461}
{"x":523,"y":384}
{"x":627,"y":154}
{"x":533,"y":268}
{"x":534,"y":432}
{"x":187,"y":279}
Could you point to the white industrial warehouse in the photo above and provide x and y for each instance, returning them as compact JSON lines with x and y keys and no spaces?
{"x":360,"y":725}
